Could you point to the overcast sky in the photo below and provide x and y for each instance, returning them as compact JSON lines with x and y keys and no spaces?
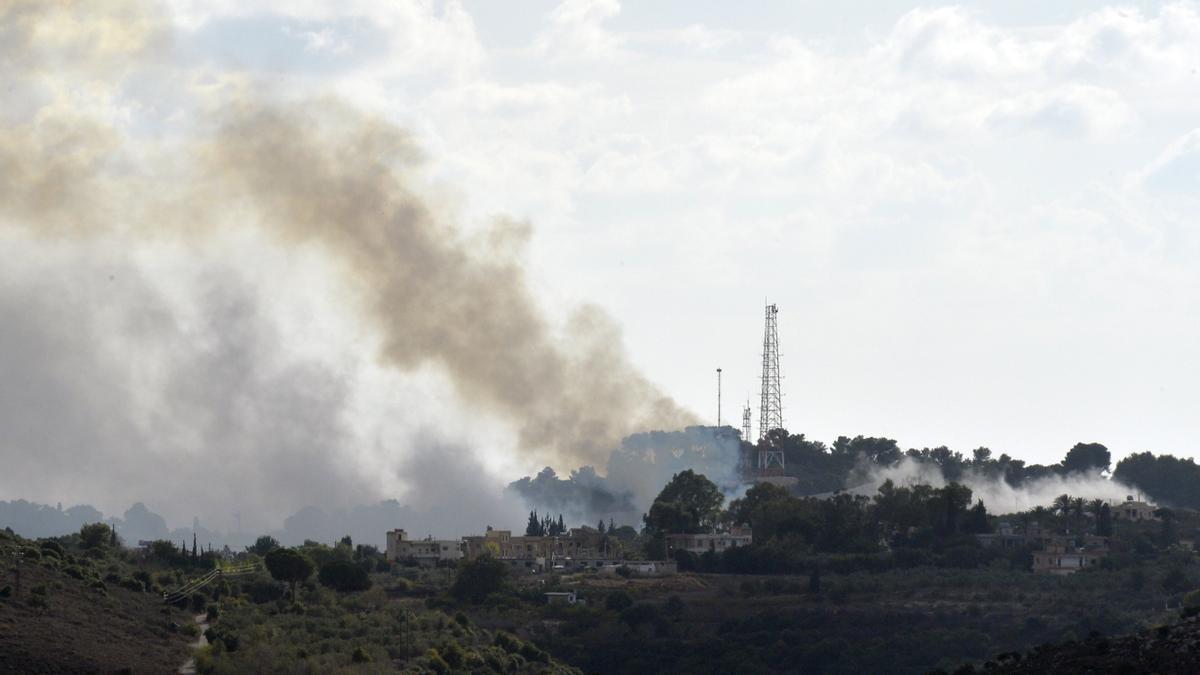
{"x":979,"y":221}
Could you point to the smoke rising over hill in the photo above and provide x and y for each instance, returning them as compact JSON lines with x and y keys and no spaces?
{"x":151,"y":360}
{"x":998,"y":495}
{"x":634,"y":475}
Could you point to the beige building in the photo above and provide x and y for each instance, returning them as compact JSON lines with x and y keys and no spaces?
{"x":580,"y":547}
{"x":1065,"y":557}
{"x":427,"y":551}
{"x":1134,"y":510}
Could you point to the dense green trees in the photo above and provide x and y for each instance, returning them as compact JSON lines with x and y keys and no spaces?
{"x":1165,"y":479}
{"x":479,"y":578}
{"x":343,"y":576}
{"x":821,"y":469}
{"x":544,"y":526}
{"x":690,"y":502}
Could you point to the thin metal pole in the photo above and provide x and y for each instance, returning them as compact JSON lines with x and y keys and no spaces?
{"x":718,"y":397}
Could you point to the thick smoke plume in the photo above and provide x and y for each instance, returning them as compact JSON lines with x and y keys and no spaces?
{"x":194,"y":393}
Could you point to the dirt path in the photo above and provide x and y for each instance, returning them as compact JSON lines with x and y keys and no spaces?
{"x":189,"y":668}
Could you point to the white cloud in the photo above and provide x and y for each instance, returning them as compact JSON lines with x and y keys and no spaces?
{"x":575,"y":31}
{"x":1177,"y":169}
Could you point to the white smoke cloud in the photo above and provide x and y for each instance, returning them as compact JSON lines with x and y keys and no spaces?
{"x":997,"y":494}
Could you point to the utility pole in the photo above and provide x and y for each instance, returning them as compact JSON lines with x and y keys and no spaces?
{"x":746,"y":421}
{"x":718,"y":397}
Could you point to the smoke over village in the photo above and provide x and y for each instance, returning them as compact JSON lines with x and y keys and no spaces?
{"x":442,"y":336}
{"x":266,"y":292}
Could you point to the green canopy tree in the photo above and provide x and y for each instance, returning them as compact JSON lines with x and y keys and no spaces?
{"x":745,"y":509}
{"x":1087,"y":458}
{"x":479,"y":578}
{"x":689,"y":503}
{"x":94,"y":535}
{"x":289,"y":566}
{"x":263,"y":545}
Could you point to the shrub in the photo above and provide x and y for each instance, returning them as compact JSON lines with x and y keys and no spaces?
{"x":462,"y":620}
{"x":133,"y":584}
{"x":436,"y":663}
{"x":360,"y":655}
{"x":6,"y":591}
{"x":95,"y":535}
{"x":99,"y":586}
{"x":508,"y":642}
{"x":260,"y":591}
{"x":343,"y":576}
{"x":212,"y":612}
{"x":30,"y":553}
{"x":199,"y":601}
{"x":674,"y":605}
{"x":229,"y":640}
{"x":1191,"y":604}
{"x":52,"y":548}
{"x":454,"y":655}
{"x":618,"y":601}
{"x":639,"y":614}
{"x":479,"y":578}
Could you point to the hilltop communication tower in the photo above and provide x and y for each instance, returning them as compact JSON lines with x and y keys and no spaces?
{"x":770,"y":415}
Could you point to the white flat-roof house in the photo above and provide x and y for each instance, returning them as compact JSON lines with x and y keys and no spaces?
{"x":427,"y":551}
{"x":700,"y":543}
{"x":1134,"y":510}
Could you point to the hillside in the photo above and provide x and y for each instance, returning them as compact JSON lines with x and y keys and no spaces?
{"x":1167,"y":649}
{"x":63,"y":624}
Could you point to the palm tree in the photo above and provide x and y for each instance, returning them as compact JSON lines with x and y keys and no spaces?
{"x":1078,"y":506}
{"x":1062,"y":505}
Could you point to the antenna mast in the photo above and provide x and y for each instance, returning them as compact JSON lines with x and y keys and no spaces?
{"x":746,"y":421}
{"x":770,"y":415}
{"x":718,"y":397}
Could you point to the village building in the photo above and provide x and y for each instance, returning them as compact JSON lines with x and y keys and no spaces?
{"x":1134,"y":510}
{"x":428,"y":551}
{"x":702,"y":543}
{"x":1008,"y":535}
{"x":580,"y":548}
{"x":1066,"y":556}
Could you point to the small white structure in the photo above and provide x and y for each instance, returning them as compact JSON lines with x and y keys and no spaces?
{"x":702,"y":543}
{"x":559,"y":598}
{"x":428,"y":551}
{"x":652,"y":568}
